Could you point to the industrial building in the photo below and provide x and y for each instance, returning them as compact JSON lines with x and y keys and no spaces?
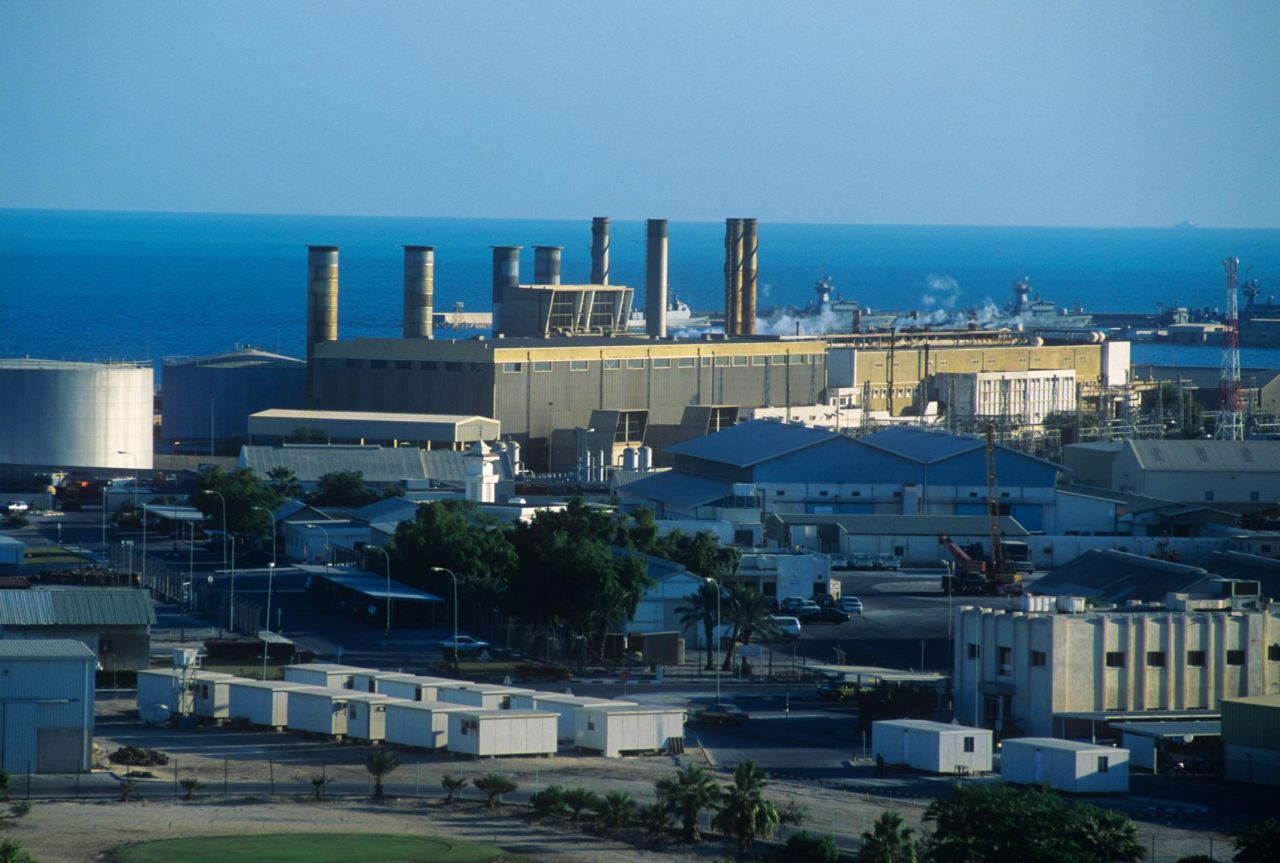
{"x":614,"y":730}
{"x":1042,"y":671}
{"x":428,"y":431}
{"x":913,"y":539}
{"x":46,"y":705}
{"x":383,"y":467}
{"x":208,"y":399}
{"x":114,"y":623}
{"x":64,"y":415}
{"x":1251,"y":739}
{"x":1023,"y":397}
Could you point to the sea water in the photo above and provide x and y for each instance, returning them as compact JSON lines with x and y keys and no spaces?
{"x":143,"y":286}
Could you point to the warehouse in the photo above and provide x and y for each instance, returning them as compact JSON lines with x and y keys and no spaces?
{"x":486,"y":696}
{"x":46,"y":705}
{"x":214,"y":396}
{"x":492,"y":733}
{"x":115,"y":623}
{"x":1251,"y":739}
{"x":1065,"y":765}
{"x":618,"y":729}
{"x":935,"y":747}
{"x":565,"y":706}
{"x":323,"y":674}
{"x":419,"y":724}
{"x":429,"y":431}
{"x":263,"y":703}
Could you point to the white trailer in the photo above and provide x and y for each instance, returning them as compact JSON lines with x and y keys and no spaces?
{"x":367,"y":716}
{"x":485,"y":696}
{"x":264,"y":703}
{"x":933,"y":746}
{"x":319,"y":710}
{"x":323,"y":674}
{"x":616,"y":729}
{"x":564,"y":705}
{"x":162,"y":694}
{"x":502,"y":732}
{"x":366,"y":679}
{"x":416,"y":687}
{"x":1068,"y":765}
{"x":212,"y":690}
{"x":419,"y":724}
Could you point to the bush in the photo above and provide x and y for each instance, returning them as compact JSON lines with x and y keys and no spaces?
{"x":617,"y":809}
{"x":549,"y":801}
{"x":11,"y":850}
{"x":190,"y":785}
{"x":21,"y":809}
{"x":494,"y":785}
{"x":656,"y":817}
{"x":579,"y":800}
{"x":805,"y":847}
{"x":452,"y":785}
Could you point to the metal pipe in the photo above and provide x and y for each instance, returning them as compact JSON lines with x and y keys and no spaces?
{"x":546,"y":265}
{"x":506,"y":277}
{"x":419,"y":291}
{"x":600,"y":250}
{"x":655,"y":284}
{"x":747,"y":295}
{"x":322,"y":304}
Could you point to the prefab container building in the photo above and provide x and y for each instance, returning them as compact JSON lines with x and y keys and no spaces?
{"x":419,"y":724}
{"x":263,"y":703}
{"x":414,"y":687}
{"x":486,"y":696}
{"x":322,"y":674}
{"x":319,"y":710}
{"x":502,"y":732}
{"x":933,"y":746}
{"x":366,"y":716}
{"x":616,"y":729}
{"x":212,"y":690}
{"x":1067,"y":765}
{"x":46,"y":705}
{"x":366,"y":679}
{"x":563,"y":705}
{"x":162,"y":694}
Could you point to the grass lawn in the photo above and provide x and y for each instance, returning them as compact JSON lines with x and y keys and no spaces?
{"x":309,"y":848}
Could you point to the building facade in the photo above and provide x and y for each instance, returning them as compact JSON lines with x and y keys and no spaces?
{"x":46,"y":705}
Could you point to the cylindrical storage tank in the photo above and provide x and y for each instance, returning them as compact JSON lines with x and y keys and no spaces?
{"x":655,"y":279}
{"x":546,"y":265}
{"x":70,"y":414}
{"x":645,"y":454}
{"x":747,"y":305}
{"x":506,"y":277}
{"x":419,"y":290}
{"x":630,"y":458}
{"x":600,"y":250}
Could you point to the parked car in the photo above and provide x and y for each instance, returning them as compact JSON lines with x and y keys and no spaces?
{"x":837,"y":691}
{"x":464,"y":644}
{"x":795,"y":605}
{"x":863,"y":561}
{"x":823,"y":600}
{"x":839,"y":561}
{"x":786,"y":626}
{"x":887,"y":561}
{"x":721,"y":714}
{"x":825,"y":615}
{"x":851,"y":604}
{"x":17,"y":506}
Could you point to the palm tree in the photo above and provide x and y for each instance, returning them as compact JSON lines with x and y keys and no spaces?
{"x":452,"y":785}
{"x":890,"y":840}
{"x":656,"y":817}
{"x":617,"y":809}
{"x":494,"y":785}
{"x":702,"y":609}
{"x":380,"y":763}
{"x":691,"y":791}
{"x":750,"y":614}
{"x":578,"y":800}
{"x":745,"y":813}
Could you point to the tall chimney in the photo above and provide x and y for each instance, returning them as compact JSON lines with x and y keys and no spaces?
{"x":600,"y":250}
{"x":655,"y":279}
{"x":747,"y":307}
{"x":732,"y":276}
{"x":506,"y":277}
{"x":419,"y":290}
{"x":546,"y":265}
{"x":322,"y":305}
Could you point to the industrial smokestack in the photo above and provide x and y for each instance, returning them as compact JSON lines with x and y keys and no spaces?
{"x":322,"y":304}
{"x":546,"y":265}
{"x":747,"y":306}
{"x":655,"y":279}
{"x":600,"y":250}
{"x":419,"y":290}
{"x":732,"y":276}
{"x":506,"y":277}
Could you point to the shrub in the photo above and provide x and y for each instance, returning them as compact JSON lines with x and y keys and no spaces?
{"x":452,"y":785}
{"x":617,"y":809}
{"x":11,"y":851}
{"x":656,"y":817}
{"x":494,"y":785}
{"x":549,"y":801}
{"x":190,"y":785}
{"x":20,"y":809}
{"x":580,"y":799}
{"x":805,"y":847}
{"x":319,"y":782}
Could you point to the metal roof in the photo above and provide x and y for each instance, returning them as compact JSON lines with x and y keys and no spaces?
{"x":376,"y":588}
{"x":907,"y":525}
{"x":1058,"y":743}
{"x":1170,"y":729}
{"x":311,"y":461}
{"x":678,"y":489}
{"x":240,"y":358}
{"x":45,"y":648}
{"x":1117,"y":576}
{"x":753,"y":442}
{"x":1247,"y":456}
{"x":76,"y":607}
{"x":920,"y":445}
{"x":374,"y":417}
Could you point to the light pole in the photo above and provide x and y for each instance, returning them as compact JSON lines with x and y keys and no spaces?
{"x":136,"y":512}
{"x":231,"y":622}
{"x":711,"y":580}
{"x":452,"y":575}
{"x":386,"y":634}
{"x":328,"y":549}
{"x":271,"y":515}
{"x":104,"y":516}
{"x":951,"y":590}
{"x":271,"y":577}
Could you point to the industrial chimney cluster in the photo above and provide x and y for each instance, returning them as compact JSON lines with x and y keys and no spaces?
{"x":740,"y":248}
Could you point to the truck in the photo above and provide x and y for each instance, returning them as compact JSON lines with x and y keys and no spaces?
{"x":975,"y":574}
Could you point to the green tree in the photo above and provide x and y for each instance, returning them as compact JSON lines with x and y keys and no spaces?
{"x":285,"y":482}
{"x":11,"y":851}
{"x":749,"y":612}
{"x":890,"y":840}
{"x":190,"y":785}
{"x":455,"y":535}
{"x":494,"y":785}
{"x":1258,"y":843}
{"x":617,"y":809}
{"x":549,"y":801}
{"x":703,"y":609}
{"x":744,"y":813}
{"x":809,"y":848}
{"x":579,"y":800}
{"x":688,"y":793}
{"x":243,"y":490}
{"x":380,"y":763}
{"x":343,"y":488}
{"x":452,"y":786}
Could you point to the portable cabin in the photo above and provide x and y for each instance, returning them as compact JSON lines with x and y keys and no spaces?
{"x":485,"y":696}
{"x":366,"y":716}
{"x":564,"y":705}
{"x":366,"y":679}
{"x":1072,"y":766}
{"x":162,"y":694}
{"x":264,"y":703}
{"x":323,"y":674}
{"x":502,"y":732}
{"x":615,"y":729}
{"x":319,"y":710}
{"x":419,"y":724}
{"x":933,"y":746}
{"x":416,"y":687}
{"x":212,"y":691}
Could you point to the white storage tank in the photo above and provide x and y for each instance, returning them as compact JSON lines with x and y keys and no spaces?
{"x":1067,"y":765}
{"x":212,"y":691}
{"x":936,"y":747}
{"x":263,"y":703}
{"x":617,"y":729}
{"x":502,"y":732}
{"x":324,"y":674}
{"x":161,"y":696}
{"x":645,"y":456}
{"x":630,"y":458}
{"x":419,"y":724}
{"x":367,"y":716}
{"x":318,"y":710}
{"x":415,"y":687}
{"x":565,"y":706}
{"x":486,"y":696}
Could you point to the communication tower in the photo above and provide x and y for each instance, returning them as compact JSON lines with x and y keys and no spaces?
{"x":1230,"y":422}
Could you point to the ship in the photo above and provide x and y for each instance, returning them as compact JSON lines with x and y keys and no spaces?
{"x":1038,"y":314}
{"x":841,"y":315}
{"x":678,"y":315}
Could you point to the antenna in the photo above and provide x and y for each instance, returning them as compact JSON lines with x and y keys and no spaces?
{"x":1230,"y":422}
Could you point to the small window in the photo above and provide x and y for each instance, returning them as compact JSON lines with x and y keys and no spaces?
{"x":612,"y":365}
{"x":578,"y":365}
{"x":757,"y":361}
{"x":662,"y":362}
{"x":428,"y":365}
{"x":1104,"y":763}
{"x":686,"y":362}
{"x":1115,"y":659}
{"x":541,"y":366}
{"x":778,"y":360}
{"x":1039,"y":657}
{"x":104,"y":645}
{"x":204,"y":690}
{"x":968,"y":744}
{"x":354,"y":364}
{"x":1155,"y":658}
{"x":635,"y":363}
{"x":417,"y":693}
{"x":1195,"y":658}
{"x":722,"y":362}
{"x":706,"y":361}
{"x":1004,"y":655}
{"x":453,"y":367}
{"x":506,"y":702}
{"x":739,"y":361}
{"x":1273,"y":653}
{"x":377,"y":364}
{"x":1235,"y":657}
{"x":403,"y":365}
{"x":511,"y":368}
{"x":973,"y":650}
{"x":591,"y":723}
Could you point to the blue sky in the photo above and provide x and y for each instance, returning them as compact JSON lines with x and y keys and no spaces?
{"x":1017,"y":113}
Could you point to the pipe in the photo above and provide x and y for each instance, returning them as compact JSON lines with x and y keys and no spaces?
{"x":747,"y":304}
{"x":732,"y":276}
{"x":506,"y":277}
{"x":546,"y":265}
{"x":419,"y":290}
{"x":600,"y":250}
{"x":322,"y":305}
{"x":655,"y":279}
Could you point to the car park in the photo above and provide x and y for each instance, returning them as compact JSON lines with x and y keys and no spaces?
{"x":863,"y":561}
{"x":825,"y":615}
{"x":721,"y":714}
{"x":795,"y":604}
{"x":887,"y":561}
{"x":851,"y":604}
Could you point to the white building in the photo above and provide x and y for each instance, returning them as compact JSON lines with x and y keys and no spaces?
{"x":317,"y":710}
{"x":1200,"y":471}
{"x":264,"y":703}
{"x":615,"y":729}
{"x":323,"y":674}
{"x":565,"y":706}
{"x":415,"y":687}
{"x":1251,"y":740}
{"x":1027,"y":397}
{"x":502,"y":732}
{"x":212,"y":690}
{"x":1033,"y":668}
{"x":1066,"y":765}
{"x":419,"y":724}
{"x":162,"y":693}
{"x":933,"y":746}
{"x":486,"y":696}
{"x":367,"y":716}
{"x":46,"y":701}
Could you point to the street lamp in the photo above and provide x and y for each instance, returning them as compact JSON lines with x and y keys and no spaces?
{"x":271,"y":577}
{"x":231,"y":622}
{"x":328,"y":549}
{"x":104,"y":517}
{"x":271,"y":515}
{"x":949,"y":566}
{"x":138,"y":514}
{"x":386,"y":634}
{"x":711,"y":580}
{"x":452,"y":575}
